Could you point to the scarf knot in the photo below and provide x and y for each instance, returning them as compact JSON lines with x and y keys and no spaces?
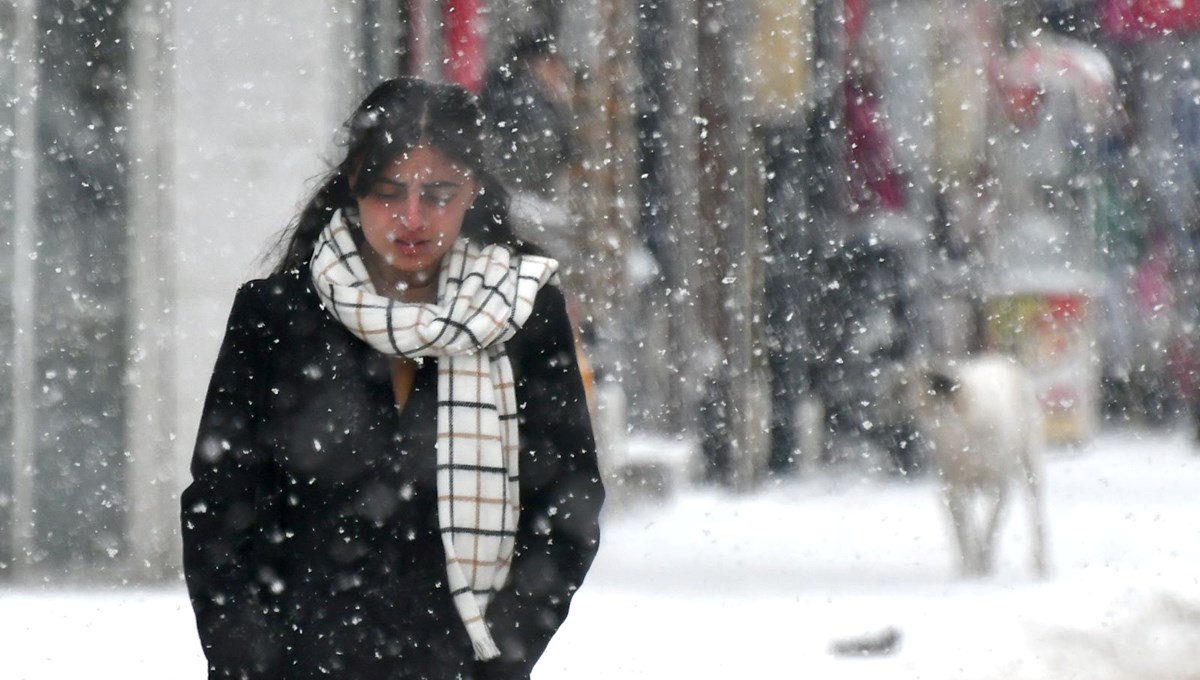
{"x":484,"y":296}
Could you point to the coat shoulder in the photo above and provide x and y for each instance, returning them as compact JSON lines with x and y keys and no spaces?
{"x":547,"y":319}
{"x":287,"y":293}
{"x":292,"y":283}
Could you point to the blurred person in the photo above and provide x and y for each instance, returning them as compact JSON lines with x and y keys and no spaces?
{"x":527,"y":101}
{"x":395,"y":474}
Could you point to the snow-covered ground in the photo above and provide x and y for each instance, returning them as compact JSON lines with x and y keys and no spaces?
{"x":713,"y":585}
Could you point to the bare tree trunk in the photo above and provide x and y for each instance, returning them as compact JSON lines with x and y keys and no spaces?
{"x":602,"y":181}
{"x":724,"y":279}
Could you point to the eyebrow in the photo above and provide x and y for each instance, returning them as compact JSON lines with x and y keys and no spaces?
{"x":431,"y":185}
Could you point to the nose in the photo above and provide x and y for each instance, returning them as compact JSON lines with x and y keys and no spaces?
{"x":409,"y":213}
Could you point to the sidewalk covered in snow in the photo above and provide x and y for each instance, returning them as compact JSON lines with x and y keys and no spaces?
{"x":716,"y":585}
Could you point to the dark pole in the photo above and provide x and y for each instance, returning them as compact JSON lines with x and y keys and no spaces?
{"x":724,"y":278}
{"x":824,"y":168}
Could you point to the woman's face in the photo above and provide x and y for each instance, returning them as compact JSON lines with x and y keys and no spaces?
{"x":413,"y":213}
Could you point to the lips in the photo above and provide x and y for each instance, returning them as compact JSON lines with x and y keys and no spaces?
{"x":411,"y":247}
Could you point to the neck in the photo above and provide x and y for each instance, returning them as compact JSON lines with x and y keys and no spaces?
{"x":410,"y":292}
{"x":401,"y":285}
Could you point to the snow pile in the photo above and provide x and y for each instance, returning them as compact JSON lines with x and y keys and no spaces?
{"x":706,"y":584}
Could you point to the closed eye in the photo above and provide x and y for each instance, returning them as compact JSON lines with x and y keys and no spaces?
{"x":437,"y":195}
{"x":389,"y":192}
{"x":438,"y":199}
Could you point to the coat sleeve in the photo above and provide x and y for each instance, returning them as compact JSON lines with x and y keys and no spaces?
{"x":558,"y":530}
{"x":229,"y":511}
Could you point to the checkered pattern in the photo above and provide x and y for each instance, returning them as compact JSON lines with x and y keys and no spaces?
{"x":484,"y":296}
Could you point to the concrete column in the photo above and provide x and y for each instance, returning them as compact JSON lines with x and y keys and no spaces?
{"x":8,"y":147}
{"x":153,"y":517}
{"x":24,"y":240}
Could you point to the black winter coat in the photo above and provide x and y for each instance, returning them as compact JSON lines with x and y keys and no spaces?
{"x":311,"y":542}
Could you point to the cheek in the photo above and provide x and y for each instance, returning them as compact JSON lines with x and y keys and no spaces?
{"x":449,"y":222}
{"x":383,"y":212}
{"x":376,"y":211}
{"x":375,"y":219}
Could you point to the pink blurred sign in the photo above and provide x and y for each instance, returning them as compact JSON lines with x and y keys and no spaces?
{"x":1137,"y":19}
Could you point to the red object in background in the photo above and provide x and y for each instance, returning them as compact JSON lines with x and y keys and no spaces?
{"x":1184,"y":368}
{"x":875,"y":178}
{"x":1152,"y":278}
{"x":1066,"y":307}
{"x":1135,"y":19}
{"x":854,"y":16}
{"x":1022,"y":104}
{"x":462,"y":33}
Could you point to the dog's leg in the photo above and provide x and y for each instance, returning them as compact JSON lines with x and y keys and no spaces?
{"x":1037,"y":519}
{"x":1031,"y":467}
{"x":987,"y":549}
{"x":962,"y":521}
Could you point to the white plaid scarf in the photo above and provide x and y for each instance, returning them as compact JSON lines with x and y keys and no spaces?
{"x":484,"y":296}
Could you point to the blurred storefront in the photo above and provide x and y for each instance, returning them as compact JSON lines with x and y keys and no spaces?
{"x":1156,"y":46}
{"x":1055,"y":106}
{"x":985,"y":135}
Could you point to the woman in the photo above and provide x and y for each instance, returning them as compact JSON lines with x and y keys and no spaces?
{"x":395,"y":475}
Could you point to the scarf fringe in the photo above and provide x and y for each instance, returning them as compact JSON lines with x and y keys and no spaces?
{"x":485,"y":646}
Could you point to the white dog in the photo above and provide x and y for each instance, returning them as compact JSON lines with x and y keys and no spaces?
{"x":981,"y":420}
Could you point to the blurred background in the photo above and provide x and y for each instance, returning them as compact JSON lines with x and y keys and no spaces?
{"x":767,"y":212}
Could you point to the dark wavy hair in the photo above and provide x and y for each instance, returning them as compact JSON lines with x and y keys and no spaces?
{"x":398,"y":115}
